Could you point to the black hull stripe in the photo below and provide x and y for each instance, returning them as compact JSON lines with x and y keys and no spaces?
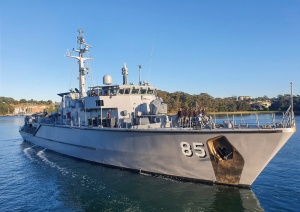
{"x":86,"y":147}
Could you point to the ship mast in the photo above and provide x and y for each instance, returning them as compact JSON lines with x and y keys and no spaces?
{"x":83,"y":48}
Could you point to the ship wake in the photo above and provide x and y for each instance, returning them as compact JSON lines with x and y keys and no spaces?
{"x":41,"y":154}
{"x":27,"y":152}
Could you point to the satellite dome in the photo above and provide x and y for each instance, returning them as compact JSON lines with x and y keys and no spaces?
{"x":107,"y":80}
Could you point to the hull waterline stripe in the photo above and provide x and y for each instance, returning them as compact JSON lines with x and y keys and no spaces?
{"x":86,"y":147}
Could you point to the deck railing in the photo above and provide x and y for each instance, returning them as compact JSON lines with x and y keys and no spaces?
{"x":239,"y":122}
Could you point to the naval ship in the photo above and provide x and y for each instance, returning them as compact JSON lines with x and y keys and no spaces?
{"x":127,"y":126}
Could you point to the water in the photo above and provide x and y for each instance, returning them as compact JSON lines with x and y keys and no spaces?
{"x":35,"y":179}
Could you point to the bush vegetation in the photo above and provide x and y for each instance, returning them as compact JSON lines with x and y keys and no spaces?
{"x":179,"y":99}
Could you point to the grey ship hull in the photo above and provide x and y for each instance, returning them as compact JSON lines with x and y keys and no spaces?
{"x":183,"y":153}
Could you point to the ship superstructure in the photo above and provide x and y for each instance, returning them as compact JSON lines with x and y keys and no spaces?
{"x":128,"y":126}
{"x":109,"y":105}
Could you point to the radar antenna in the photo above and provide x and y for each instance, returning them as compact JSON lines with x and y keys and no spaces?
{"x":125,"y":74}
{"x":83,"y":48}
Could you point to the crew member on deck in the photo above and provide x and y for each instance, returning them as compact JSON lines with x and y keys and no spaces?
{"x":186,"y":118}
{"x":180,"y":116}
{"x":108,"y":120}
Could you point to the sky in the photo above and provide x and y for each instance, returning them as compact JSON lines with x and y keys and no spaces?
{"x":223,"y":48}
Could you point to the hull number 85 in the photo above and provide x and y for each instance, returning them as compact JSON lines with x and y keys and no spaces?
{"x":196,"y":149}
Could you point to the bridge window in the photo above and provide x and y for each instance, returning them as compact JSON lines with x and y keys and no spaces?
{"x":105,"y":92}
{"x":121,"y":91}
{"x":114,"y":91}
{"x":99,"y":103}
{"x":143,"y":91}
{"x":135,"y":91}
{"x":150,"y":91}
{"x":127,"y":90}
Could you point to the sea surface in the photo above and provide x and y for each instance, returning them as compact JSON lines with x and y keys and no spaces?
{"x":36,"y":179}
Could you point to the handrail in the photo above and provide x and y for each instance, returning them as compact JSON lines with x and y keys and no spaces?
{"x":230,"y":122}
{"x":287,"y":118}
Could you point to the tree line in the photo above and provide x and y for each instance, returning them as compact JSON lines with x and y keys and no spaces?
{"x":7,"y":104}
{"x":180,"y":99}
{"x":12,"y":101}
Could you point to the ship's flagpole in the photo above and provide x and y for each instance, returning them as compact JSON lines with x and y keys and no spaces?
{"x":292,"y":105}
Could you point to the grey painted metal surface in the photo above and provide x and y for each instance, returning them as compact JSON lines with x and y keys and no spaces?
{"x":161,"y":151}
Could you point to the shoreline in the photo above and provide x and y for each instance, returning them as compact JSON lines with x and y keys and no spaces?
{"x":243,"y":112}
{"x":250,"y":112}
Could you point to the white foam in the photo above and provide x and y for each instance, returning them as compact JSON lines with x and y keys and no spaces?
{"x":42,"y":155}
{"x":27,"y":152}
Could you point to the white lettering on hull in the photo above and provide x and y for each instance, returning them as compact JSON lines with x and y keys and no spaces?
{"x":197,"y":148}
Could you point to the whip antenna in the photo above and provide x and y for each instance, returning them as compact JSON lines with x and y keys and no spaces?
{"x":292,"y":105}
{"x":151,"y":57}
{"x":140,"y":80}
